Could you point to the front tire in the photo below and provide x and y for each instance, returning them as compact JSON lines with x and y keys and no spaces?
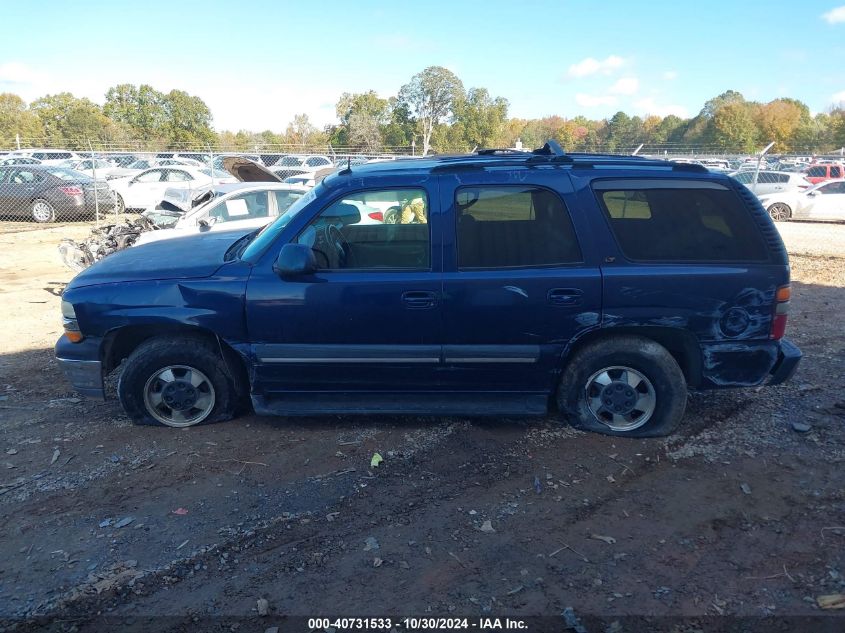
{"x":626,"y":386}
{"x":780,"y":212}
{"x":177,"y":382}
{"x":43,"y":211}
{"x":119,"y":205}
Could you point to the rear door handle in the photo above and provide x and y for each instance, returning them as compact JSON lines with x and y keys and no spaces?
{"x":419,"y":299}
{"x":565,"y":296}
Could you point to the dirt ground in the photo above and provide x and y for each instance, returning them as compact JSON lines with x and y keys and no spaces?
{"x":738,"y":514}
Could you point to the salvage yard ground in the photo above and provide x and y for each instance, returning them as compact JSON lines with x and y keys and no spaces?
{"x":738,"y":513}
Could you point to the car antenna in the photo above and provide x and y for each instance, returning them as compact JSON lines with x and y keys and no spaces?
{"x":348,"y":169}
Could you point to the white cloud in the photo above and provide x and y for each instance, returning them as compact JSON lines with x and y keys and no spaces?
{"x":670,"y":75}
{"x":591,"y":101}
{"x":648,"y":105}
{"x":835,"y":16}
{"x":839,"y":97}
{"x":591,"y":66}
{"x":16,"y":73}
{"x":625,"y":86}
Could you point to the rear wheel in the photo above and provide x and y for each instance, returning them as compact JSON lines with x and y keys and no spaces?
{"x":177,"y":382}
{"x":119,"y":205}
{"x":627,"y":386}
{"x":43,"y":211}
{"x":392,"y":215}
{"x":780,"y":212}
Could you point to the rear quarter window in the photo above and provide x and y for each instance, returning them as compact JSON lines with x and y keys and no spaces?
{"x":682,"y":224}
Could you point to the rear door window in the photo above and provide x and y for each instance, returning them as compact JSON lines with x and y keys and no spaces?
{"x":666,"y":223}
{"x":513,"y":227}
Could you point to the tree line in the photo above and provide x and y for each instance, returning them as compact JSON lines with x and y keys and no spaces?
{"x":432,"y":112}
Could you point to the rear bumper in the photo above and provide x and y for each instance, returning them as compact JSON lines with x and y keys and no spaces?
{"x":788,"y":358}
{"x":82,"y":367}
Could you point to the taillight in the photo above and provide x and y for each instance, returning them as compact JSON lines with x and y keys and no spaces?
{"x":71,"y":191}
{"x":781,"y":312}
{"x":377,"y":215}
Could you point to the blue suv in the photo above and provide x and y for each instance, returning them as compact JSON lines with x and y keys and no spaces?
{"x":500,"y":283}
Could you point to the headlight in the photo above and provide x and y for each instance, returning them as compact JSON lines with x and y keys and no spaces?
{"x":70,"y":323}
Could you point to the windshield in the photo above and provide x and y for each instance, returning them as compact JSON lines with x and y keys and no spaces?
{"x":268,"y":234}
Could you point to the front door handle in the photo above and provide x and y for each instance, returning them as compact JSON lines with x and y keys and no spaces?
{"x":564,"y":296}
{"x":419,"y":299}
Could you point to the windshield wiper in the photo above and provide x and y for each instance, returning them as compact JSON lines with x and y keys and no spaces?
{"x":236,"y":250}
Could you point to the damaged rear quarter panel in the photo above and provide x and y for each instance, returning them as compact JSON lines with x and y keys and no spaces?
{"x":728,"y":308}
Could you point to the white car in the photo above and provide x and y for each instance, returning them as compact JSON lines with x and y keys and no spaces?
{"x":243,"y":205}
{"x":769,"y":182}
{"x":146,"y":189}
{"x":90,"y":166}
{"x":824,"y":201}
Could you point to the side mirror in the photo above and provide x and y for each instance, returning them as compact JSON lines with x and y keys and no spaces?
{"x":295,"y":260}
{"x":206,"y":223}
{"x":812,"y":194}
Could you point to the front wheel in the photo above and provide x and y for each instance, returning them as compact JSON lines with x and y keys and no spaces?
{"x":626,"y":386}
{"x":43,"y":211}
{"x":780,"y":212}
{"x":177,"y":382}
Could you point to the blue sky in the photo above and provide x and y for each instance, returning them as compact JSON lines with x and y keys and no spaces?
{"x":256,"y":64}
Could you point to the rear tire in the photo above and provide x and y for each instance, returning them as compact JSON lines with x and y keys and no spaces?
{"x":780,"y":212}
{"x":42,"y":211}
{"x":178,"y":382}
{"x":626,"y":386}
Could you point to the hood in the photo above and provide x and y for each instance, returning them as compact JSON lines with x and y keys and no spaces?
{"x":183,"y":200}
{"x":246,"y":170}
{"x":189,"y":257}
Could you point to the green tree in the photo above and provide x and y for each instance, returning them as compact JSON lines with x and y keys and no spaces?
{"x":431,"y":96}
{"x":734,"y":129}
{"x":480,"y":118}
{"x":142,"y":108}
{"x":72,"y":122}
{"x":187,"y":121}
{"x":16,"y":119}
{"x":302,"y":132}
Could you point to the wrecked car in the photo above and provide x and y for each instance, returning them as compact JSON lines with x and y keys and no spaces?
{"x":513,"y":283}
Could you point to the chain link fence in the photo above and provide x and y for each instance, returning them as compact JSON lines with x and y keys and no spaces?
{"x":95,"y":193}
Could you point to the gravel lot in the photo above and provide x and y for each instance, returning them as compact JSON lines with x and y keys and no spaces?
{"x":737,"y":514}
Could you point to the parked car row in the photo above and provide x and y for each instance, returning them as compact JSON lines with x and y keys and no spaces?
{"x":46,"y":193}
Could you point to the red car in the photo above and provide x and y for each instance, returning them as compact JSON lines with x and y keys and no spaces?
{"x":826,"y":171}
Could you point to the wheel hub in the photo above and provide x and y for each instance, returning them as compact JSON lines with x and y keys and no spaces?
{"x":619,"y":397}
{"x":179,"y":395}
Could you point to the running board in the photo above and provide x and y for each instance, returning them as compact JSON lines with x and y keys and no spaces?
{"x":469,"y":404}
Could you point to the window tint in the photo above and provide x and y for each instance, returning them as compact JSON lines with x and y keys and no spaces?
{"x":682,"y":225}
{"x":242,"y":207}
{"x":834,"y":187}
{"x":817,"y":172}
{"x":743,"y":177}
{"x":351,"y":234}
{"x":154,"y":175}
{"x":782,"y":178}
{"x":284,"y":199}
{"x":177,"y":175}
{"x":765,"y":177}
{"x":836,"y":172}
{"x":25,"y":176}
{"x":506,"y":227}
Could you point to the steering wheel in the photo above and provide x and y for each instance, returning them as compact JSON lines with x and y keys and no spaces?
{"x":332,"y":239}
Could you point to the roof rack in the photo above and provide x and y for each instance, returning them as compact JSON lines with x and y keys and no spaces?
{"x":553,"y":153}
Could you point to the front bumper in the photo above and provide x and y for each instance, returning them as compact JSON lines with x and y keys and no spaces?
{"x":788,"y":358}
{"x":82,"y":367}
